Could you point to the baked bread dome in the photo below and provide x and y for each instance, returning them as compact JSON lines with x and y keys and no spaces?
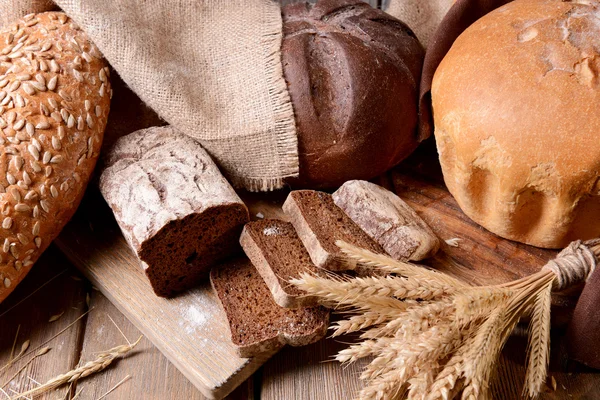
{"x":516,"y":109}
{"x":353,"y":76}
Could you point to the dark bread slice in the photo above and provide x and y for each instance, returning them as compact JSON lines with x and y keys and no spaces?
{"x":173,"y":205}
{"x":320,"y":223}
{"x":279,"y":255}
{"x":256,"y":322}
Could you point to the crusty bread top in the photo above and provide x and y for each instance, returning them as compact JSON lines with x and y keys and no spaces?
{"x":515,"y":106}
{"x":54,"y":103}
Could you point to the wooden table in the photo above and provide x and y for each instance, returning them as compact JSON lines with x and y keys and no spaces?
{"x":294,"y":373}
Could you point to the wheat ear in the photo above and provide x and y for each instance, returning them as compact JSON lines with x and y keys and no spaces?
{"x":387,"y":264}
{"x":538,"y":353}
{"x":104,"y":360}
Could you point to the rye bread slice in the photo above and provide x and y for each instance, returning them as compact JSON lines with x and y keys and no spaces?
{"x":320,"y":223}
{"x":256,"y":322}
{"x":279,"y":255}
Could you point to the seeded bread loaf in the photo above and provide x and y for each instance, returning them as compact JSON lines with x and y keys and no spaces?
{"x":320,"y":223}
{"x":388,"y":220}
{"x":176,"y":210}
{"x":54,"y":103}
{"x":353,"y":76}
{"x":516,"y":125}
{"x":278,"y":254}
{"x":257,"y":323}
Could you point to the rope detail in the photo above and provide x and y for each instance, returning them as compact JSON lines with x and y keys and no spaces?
{"x":574,"y":264}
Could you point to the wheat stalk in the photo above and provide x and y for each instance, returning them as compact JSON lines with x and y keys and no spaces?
{"x":539,"y":342}
{"x":431,"y":336}
{"x":100,"y":363}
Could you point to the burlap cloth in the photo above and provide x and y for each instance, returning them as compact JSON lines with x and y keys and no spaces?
{"x":210,"y":68}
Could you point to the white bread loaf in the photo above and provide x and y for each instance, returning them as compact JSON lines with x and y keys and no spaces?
{"x":54,"y":103}
{"x":515,"y":105}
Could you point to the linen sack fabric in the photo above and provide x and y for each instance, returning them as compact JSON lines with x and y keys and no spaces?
{"x":11,"y":10}
{"x":210,"y":68}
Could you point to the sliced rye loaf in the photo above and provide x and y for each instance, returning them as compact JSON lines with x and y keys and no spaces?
{"x":320,"y":223}
{"x":279,"y":255}
{"x":257,"y":323}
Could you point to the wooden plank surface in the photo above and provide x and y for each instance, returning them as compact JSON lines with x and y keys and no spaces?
{"x":152,"y":375}
{"x":190,"y":330}
{"x":29,"y":311}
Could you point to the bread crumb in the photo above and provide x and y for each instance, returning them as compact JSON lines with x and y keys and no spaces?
{"x":454,"y":242}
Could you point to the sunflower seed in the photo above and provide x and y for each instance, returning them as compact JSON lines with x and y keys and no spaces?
{"x":44,"y":111}
{"x":48,"y":171}
{"x":19,"y":125}
{"x":23,"y":77}
{"x":23,"y":239}
{"x":14,"y":192}
{"x":19,"y":264}
{"x":3,"y":123}
{"x":45,"y":206}
{"x":38,"y":242}
{"x":29,"y":89}
{"x":19,"y":100}
{"x":7,"y":283}
{"x":52,"y":82}
{"x":31,"y":23}
{"x":43,"y":125}
{"x":41,"y":87}
{"x":61,"y":132}
{"x":31,"y":195}
{"x":30,"y":129}
{"x":10,"y":38}
{"x":26,"y":178}
{"x":56,"y":159}
{"x":4,"y":82}
{"x":10,"y":117}
{"x":36,"y":228}
{"x":13,"y":250}
{"x":56,"y":116}
{"x":6,"y":245}
{"x":7,"y":223}
{"x":47,"y":46}
{"x":53,"y":104}
{"x":10,"y":178}
{"x":2,"y":95}
{"x":43,"y":66}
{"x":47,"y":157}
{"x":34,"y":152}
{"x":78,"y":75}
{"x":18,"y":161}
{"x":71,"y":122}
{"x":36,"y":212}
{"x":64,"y":186}
{"x":35,"y":166}
{"x":36,"y":143}
{"x":54,"y":67}
{"x":22,"y":207}
{"x":53,"y":191}
{"x":65,"y":115}
{"x":14,"y":86}
{"x":102,"y":90}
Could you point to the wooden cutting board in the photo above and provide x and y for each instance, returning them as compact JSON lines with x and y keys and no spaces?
{"x":191,"y":329}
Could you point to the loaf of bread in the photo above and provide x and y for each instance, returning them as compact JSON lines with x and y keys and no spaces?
{"x":54,"y":103}
{"x":353,"y":76}
{"x":278,"y":254}
{"x":515,"y":108}
{"x":320,"y":224}
{"x":176,"y":210}
{"x":257,"y":324}
{"x":388,"y":220}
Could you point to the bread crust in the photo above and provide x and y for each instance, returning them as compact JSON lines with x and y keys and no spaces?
{"x":352,"y":73}
{"x":514,"y":104}
{"x":175,"y":208}
{"x":54,"y":104}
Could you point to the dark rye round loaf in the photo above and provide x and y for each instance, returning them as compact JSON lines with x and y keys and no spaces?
{"x":352,"y":73}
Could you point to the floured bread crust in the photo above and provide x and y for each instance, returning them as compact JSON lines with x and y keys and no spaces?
{"x":515,"y":107}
